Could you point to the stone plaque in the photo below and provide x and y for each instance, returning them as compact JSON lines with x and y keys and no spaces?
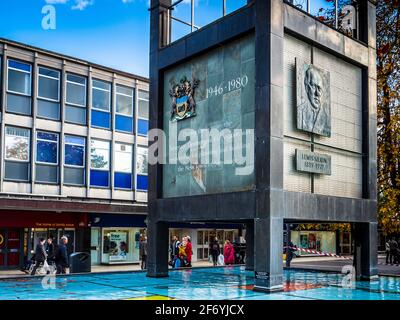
{"x":313,"y":99}
{"x":308,"y":161}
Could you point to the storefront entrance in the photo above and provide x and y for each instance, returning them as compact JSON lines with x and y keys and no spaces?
{"x":10,"y":248}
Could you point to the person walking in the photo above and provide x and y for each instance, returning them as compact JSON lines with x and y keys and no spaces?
{"x":393,"y":246}
{"x":143,"y":253}
{"x":189,"y":252}
{"x":290,"y":253}
{"x":62,"y":256}
{"x":215,"y":251}
{"x":229,"y":253}
{"x":387,"y":251}
{"x":182,"y":254}
{"x":174,"y":249}
{"x":40,"y":255}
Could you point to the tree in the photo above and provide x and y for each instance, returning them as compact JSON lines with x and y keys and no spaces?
{"x":388,"y":73}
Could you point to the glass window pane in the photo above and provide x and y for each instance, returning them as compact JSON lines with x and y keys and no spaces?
{"x":17,"y":144}
{"x":143,"y":109}
{"x":99,"y":178}
{"x":49,"y":73}
{"x":75,"y":176}
{"x":124,"y":105}
{"x":19,"y":82}
{"x":19,"y":65}
{"x":47,"y":147}
{"x":143,"y":95}
{"x":125,"y":90}
{"x":75,"y":140}
{"x":101,"y":119}
{"x":74,"y":155}
{"x":123,"y":123}
{"x":75,"y":115}
{"x":122,"y":180}
{"x":47,"y":174}
{"x":143,"y":127}
{"x":18,"y":104}
{"x":142,"y":182}
{"x":76,"y":79}
{"x":48,"y":88}
{"x":16,"y":170}
{"x":101,"y":99}
{"x":101,"y":84}
{"x":48,"y":109}
{"x":123,"y":158}
{"x":141,"y":161}
{"x":100,"y":154}
{"x":76,"y":94}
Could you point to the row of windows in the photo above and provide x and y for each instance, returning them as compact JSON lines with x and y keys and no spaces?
{"x":17,"y":160}
{"x":48,"y":93}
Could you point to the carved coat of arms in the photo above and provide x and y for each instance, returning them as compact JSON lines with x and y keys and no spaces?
{"x":183,"y":104}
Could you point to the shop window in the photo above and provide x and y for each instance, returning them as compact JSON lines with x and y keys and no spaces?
{"x":101,"y":104}
{"x":123,"y":166}
{"x":99,"y":163}
{"x":19,"y":85}
{"x":17,"y":151}
{"x":120,"y":245}
{"x":76,"y":99}
{"x":124,"y":109}
{"x":48,"y":94}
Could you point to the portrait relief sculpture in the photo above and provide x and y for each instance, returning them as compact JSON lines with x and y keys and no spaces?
{"x":313,"y":99}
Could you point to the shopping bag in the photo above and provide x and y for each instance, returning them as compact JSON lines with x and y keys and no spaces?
{"x":221,"y":260}
{"x":210,"y":259}
{"x":46,"y":266}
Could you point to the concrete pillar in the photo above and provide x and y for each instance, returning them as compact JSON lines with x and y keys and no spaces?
{"x":157,"y":246}
{"x":250,"y":246}
{"x":268,"y":239}
{"x":365,"y":250}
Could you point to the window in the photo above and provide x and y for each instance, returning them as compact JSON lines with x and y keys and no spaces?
{"x":47,"y":147}
{"x":19,"y":87}
{"x":101,"y":104}
{"x":17,"y":154}
{"x":123,"y":166}
{"x":141,"y":168}
{"x":74,"y":161}
{"x":46,"y":157}
{"x":76,"y":99}
{"x":49,"y":94}
{"x":19,"y":77}
{"x":143,"y":113}
{"x":124,"y":109}
{"x":99,"y":163}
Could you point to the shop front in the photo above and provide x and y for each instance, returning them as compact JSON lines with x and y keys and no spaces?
{"x":314,"y":240}
{"x":115,"y":239}
{"x":20,"y":232}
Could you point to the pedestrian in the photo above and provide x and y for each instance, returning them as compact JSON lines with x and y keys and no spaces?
{"x":215,"y":251}
{"x":62,"y":256}
{"x":393,"y":246}
{"x":387,"y":250}
{"x":229,"y":253}
{"x":290,"y":250}
{"x":189,"y":252}
{"x":174,"y":249}
{"x":182,"y":252}
{"x":50,"y":250}
{"x":40,"y":255}
{"x":143,"y":253}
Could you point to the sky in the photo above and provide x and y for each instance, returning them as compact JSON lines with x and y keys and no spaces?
{"x":114,"y":33}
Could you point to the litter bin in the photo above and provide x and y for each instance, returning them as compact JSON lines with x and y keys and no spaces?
{"x":79,"y":262}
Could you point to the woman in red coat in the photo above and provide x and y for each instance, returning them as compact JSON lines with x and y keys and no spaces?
{"x":189,"y":252}
{"x":229,"y":253}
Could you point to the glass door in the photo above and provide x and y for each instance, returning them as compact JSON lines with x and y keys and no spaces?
{"x":95,"y":245}
{"x":14,"y":248}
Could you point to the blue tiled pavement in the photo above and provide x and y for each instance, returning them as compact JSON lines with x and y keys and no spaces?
{"x":198,"y":283}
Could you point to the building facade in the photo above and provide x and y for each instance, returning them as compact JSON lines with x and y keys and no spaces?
{"x":308,"y":93}
{"x":73,"y":155}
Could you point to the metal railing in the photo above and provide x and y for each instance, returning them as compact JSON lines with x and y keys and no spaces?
{"x":341,"y":15}
{"x":191,"y":23}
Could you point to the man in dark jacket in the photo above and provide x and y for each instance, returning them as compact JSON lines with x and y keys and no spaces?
{"x":290,"y":253}
{"x":215,"y":250}
{"x":62,"y":256}
{"x":143,"y":252}
{"x":393,"y":250}
{"x":50,"y":250}
{"x":174,"y":248}
{"x":40,"y":255}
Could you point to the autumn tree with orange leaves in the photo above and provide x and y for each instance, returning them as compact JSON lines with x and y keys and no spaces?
{"x":388,"y":54}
